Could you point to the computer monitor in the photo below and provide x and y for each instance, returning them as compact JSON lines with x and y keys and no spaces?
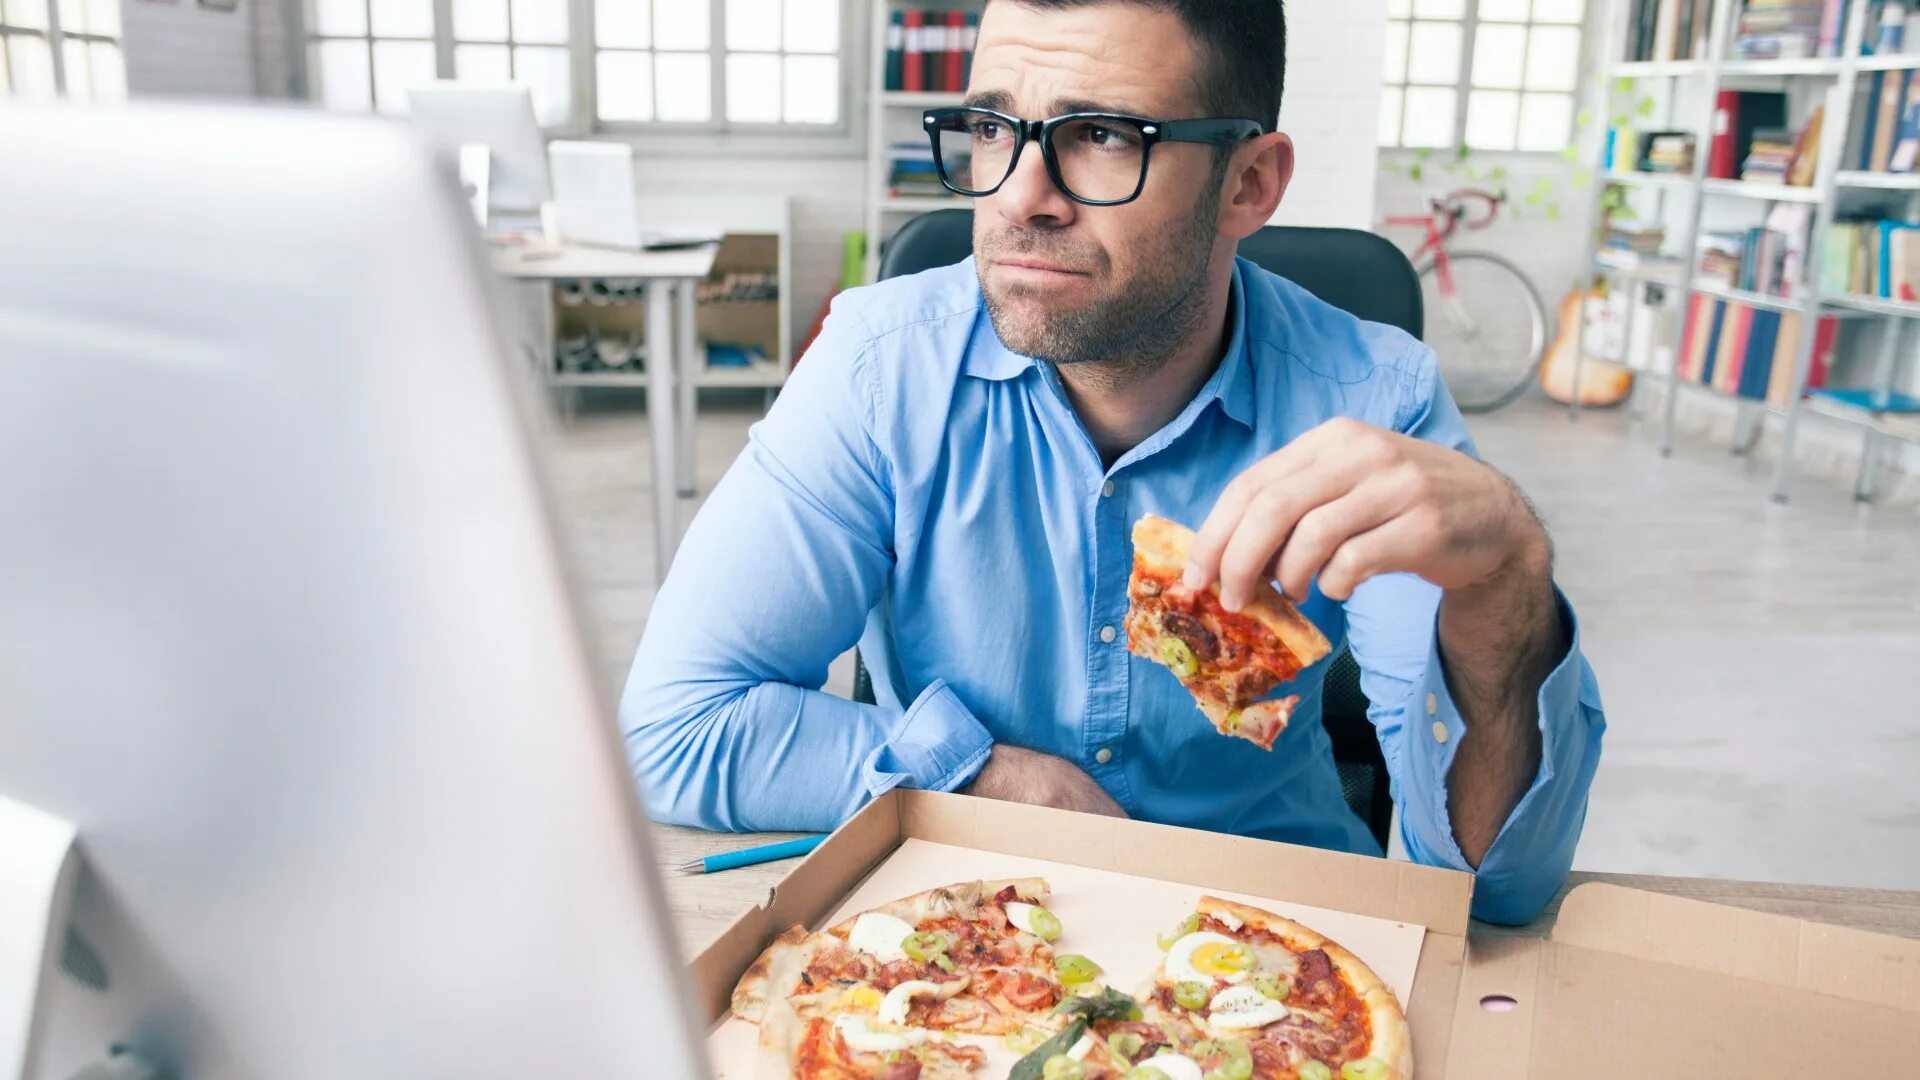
{"x":288,"y":630}
{"x":594,"y":193}
{"x":452,"y":115}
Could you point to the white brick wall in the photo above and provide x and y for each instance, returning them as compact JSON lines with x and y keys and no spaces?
{"x":1335,"y":49}
{"x":180,"y":48}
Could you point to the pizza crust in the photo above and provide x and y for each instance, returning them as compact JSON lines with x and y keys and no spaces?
{"x":1392,"y":1041}
{"x":1164,"y":545}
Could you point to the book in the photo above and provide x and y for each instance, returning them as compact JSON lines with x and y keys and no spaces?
{"x":913,"y":62}
{"x":1733,"y":349}
{"x":954,"y":80}
{"x":1647,"y":18}
{"x":1785,"y":350}
{"x":1886,"y":117}
{"x":1895,"y":250}
{"x":1716,"y":329}
{"x":969,"y":40}
{"x":1702,"y":30}
{"x":1806,"y":150}
{"x":1666,"y":34}
{"x":896,"y":44}
{"x":1757,"y":367}
{"x":1906,"y":136}
{"x":1722,"y":159}
{"x":1837,"y":258}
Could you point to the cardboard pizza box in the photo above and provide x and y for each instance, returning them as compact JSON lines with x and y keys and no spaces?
{"x":1628,"y":984}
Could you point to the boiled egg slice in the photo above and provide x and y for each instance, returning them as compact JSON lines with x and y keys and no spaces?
{"x":1172,"y":1066}
{"x":893,"y":1008}
{"x":1204,"y":956}
{"x":1023,"y":917}
{"x":1242,"y":1007}
{"x":881,"y":936}
{"x":863,"y":1037}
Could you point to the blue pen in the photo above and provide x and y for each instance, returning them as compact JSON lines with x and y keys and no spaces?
{"x":752,"y":856}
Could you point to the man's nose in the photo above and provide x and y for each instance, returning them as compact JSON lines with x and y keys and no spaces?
{"x":1029,"y":196}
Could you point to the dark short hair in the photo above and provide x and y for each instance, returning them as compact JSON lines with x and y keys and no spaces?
{"x":1242,"y":47}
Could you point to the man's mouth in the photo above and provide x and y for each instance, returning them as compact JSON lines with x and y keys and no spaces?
{"x":1038,"y":267}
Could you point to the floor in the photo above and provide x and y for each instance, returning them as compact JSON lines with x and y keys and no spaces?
{"x":1758,"y":661}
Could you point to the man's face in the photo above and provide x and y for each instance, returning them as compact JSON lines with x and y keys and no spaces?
{"x":1073,"y":283}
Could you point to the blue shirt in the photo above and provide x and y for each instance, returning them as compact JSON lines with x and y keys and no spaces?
{"x":925,"y":490}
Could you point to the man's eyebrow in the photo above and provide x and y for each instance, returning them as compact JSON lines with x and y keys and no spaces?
{"x":1001,"y":101}
{"x":997,"y":100}
{"x":1063,"y":106}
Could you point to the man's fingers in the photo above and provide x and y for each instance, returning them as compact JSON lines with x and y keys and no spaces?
{"x":1210,"y":541}
{"x":1390,"y":548}
{"x":1319,"y":534}
{"x":1268,"y":522}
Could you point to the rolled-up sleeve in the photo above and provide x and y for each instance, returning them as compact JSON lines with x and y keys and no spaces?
{"x":1421,"y":728}
{"x":1394,"y":626}
{"x":725,"y":723}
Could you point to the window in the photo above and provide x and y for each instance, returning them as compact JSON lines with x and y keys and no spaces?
{"x":1483,"y":74}
{"x":697,"y":65}
{"x":71,"y":48}
{"x":778,"y":62}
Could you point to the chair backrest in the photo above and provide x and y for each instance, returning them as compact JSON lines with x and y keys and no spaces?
{"x":1356,"y":271}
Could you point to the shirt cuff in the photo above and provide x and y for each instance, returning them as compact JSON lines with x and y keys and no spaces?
{"x":937,"y":746}
{"x":1434,"y":729}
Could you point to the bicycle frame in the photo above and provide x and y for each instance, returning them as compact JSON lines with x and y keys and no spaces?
{"x":1449,"y":213}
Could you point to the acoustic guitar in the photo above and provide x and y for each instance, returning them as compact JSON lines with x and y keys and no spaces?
{"x":1602,"y":382}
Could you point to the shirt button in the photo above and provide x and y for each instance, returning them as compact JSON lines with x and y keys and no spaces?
{"x":1103,"y":756}
{"x":1439,"y":732}
{"x":1433,"y":704}
{"x":1107,"y":634}
{"x":1106,"y":490}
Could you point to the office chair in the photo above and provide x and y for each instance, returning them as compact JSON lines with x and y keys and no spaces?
{"x":1355,"y":271}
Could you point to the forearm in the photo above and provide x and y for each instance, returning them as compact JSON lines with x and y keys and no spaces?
{"x":777,"y":756}
{"x":1498,"y":642}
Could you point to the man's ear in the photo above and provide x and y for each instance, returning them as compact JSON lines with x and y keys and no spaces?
{"x":1257,"y":178}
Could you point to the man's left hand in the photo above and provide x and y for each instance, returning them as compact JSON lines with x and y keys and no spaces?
{"x":1348,"y":501}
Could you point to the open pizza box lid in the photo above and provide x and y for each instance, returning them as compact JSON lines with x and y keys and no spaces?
{"x":1629,"y":984}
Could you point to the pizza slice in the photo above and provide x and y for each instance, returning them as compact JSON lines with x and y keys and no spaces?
{"x":973,"y":957}
{"x":1228,"y":660}
{"x":1267,"y":991}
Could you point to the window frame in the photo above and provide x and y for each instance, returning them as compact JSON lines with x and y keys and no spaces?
{"x":1463,"y":87}
{"x":844,"y":138}
{"x":56,"y":37}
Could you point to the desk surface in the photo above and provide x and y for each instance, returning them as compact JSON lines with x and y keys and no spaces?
{"x":587,"y":262}
{"x":704,"y":904}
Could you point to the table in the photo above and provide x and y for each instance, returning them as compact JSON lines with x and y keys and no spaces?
{"x":670,"y":278}
{"x":704,"y":904}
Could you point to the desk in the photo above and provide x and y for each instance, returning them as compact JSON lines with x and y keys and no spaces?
{"x":670,"y":276}
{"x":703,"y":904}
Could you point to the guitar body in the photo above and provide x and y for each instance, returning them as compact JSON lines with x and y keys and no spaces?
{"x":1602,"y":382}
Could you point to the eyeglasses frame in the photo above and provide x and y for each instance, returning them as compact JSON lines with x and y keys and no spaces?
{"x":1210,"y":131}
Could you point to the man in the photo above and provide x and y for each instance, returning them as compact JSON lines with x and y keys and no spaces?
{"x":957,"y":462}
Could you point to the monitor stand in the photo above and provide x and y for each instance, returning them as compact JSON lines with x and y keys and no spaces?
{"x":38,"y":866}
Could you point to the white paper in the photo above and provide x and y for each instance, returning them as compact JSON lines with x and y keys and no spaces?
{"x":1111,"y":918}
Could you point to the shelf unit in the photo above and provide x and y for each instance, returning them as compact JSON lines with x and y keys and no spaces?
{"x":1708,"y":76}
{"x":895,"y":114}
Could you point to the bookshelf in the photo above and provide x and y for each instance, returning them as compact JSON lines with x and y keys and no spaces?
{"x":1690,"y":88}
{"x":894,"y":116}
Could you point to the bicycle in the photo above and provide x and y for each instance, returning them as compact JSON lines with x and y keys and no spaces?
{"x":1484,"y":317}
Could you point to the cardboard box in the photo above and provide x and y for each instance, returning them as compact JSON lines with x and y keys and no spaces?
{"x":1629,"y":984}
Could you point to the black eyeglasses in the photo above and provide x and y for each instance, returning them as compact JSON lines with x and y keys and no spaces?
{"x":1099,"y":159}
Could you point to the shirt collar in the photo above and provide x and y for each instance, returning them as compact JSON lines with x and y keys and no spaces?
{"x":1231,"y":385}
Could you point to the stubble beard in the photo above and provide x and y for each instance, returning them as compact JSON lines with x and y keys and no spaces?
{"x":1118,"y":339}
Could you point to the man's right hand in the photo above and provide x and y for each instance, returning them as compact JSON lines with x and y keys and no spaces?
{"x":1015,"y":774}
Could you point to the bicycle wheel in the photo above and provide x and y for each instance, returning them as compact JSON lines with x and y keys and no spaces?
{"x":1489,"y":334}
